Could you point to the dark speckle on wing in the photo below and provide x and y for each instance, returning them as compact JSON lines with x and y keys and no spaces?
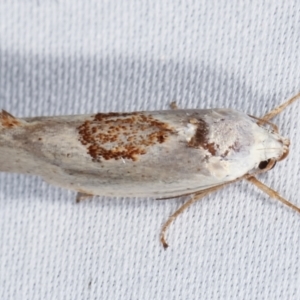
{"x":122,"y":135}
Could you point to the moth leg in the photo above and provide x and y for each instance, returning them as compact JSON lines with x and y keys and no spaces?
{"x":176,"y":196}
{"x":262,"y":121}
{"x":277,"y":110}
{"x":173,"y":105}
{"x":82,"y":196}
{"x":182,"y":208}
{"x":272,"y":193}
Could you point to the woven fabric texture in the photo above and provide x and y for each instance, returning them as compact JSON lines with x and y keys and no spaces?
{"x":74,"y":57}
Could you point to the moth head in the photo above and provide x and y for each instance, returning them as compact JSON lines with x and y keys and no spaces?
{"x":283,"y":147}
{"x":286,"y":145}
{"x":267,"y":164}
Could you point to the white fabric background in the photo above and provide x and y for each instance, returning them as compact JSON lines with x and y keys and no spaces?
{"x":67,"y":57}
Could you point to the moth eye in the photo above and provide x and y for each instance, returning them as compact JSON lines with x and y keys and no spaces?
{"x":263,"y":164}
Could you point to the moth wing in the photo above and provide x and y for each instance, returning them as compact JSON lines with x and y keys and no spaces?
{"x":9,"y":121}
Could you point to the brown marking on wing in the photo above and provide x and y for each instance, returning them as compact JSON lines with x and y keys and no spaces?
{"x":7,"y":120}
{"x":122,"y":135}
{"x":236,"y":147}
{"x":200,"y":140}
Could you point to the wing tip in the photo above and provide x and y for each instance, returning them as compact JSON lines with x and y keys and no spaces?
{"x":7,"y":120}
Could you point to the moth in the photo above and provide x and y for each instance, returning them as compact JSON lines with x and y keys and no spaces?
{"x":160,"y":154}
